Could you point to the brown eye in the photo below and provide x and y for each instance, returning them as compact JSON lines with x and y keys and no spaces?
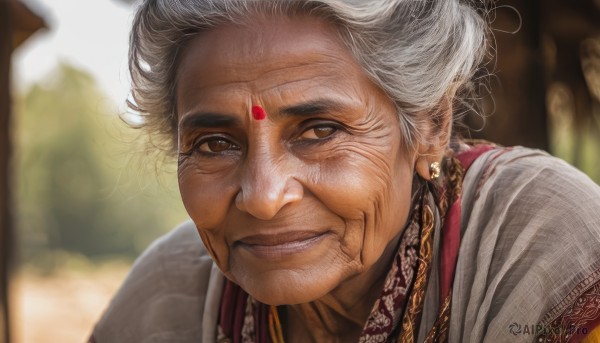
{"x":319,"y":132}
{"x":217,"y":145}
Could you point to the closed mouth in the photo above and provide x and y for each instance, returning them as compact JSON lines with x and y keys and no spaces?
{"x":277,"y":245}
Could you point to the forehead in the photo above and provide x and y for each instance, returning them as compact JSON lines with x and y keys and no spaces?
{"x":264,"y":53}
{"x":260,"y":35}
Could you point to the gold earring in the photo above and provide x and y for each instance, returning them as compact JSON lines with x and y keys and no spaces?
{"x":434,"y":170}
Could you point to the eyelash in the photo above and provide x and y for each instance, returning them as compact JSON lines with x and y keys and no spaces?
{"x":196,"y":146}
{"x":337,"y":128}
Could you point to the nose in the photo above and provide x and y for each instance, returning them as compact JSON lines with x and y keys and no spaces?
{"x":266,"y":187}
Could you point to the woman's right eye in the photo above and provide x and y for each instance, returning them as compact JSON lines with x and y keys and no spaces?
{"x":216,"y":145}
{"x":318,"y":132}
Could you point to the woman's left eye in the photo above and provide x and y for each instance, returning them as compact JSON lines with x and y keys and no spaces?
{"x":216,"y":145}
{"x":319,"y":132}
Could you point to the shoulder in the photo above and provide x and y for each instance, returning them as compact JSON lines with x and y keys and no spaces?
{"x":164,"y":295}
{"x":529,"y":184}
{"x":530,"y":232}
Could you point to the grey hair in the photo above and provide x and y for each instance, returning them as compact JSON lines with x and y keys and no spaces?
{"x":420,"y":52}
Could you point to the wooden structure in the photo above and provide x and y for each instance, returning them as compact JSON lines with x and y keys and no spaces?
{"x":538,"y":42}
{"x":17,"y":23}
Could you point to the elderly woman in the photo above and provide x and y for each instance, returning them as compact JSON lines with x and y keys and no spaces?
{"x":332,"y":200}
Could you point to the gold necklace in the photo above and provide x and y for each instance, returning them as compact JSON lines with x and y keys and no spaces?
{"x":275,"y":325}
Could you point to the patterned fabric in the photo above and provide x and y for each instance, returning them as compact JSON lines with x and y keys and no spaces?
{"x":410,"y":322}
{"x":387,"y":310}
{"x":578,"y":319}
{"x":241,"y":319}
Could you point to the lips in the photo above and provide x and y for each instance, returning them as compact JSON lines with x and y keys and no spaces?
{"x":279,"y":245}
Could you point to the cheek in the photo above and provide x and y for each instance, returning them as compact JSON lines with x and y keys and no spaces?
{"x":207,"y":200}
{"x":202,"y":195}
{"x":370,"y":188}
{"x":362,"y":179}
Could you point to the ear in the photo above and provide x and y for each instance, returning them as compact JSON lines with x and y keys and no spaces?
{"x":437,"y":128}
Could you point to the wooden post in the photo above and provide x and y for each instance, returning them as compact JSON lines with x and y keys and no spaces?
{"x":519,"y":98}
{"x":5,"y":149}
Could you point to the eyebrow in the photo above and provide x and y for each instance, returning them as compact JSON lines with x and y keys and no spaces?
{"x":208,"y":120}
{"x":310,"y":108}
{"x":216,"y":120}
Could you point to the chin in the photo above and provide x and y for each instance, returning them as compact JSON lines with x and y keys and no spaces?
{"x":291,"y":278}
{"x":289,"y":287}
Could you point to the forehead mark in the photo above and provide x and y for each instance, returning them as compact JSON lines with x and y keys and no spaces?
{"x":258,"y":112}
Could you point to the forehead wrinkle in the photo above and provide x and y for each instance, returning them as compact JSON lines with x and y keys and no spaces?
{"x":245,"y":45}
{"x":320,"y":75}
{"x":273,"y":69}
{"x":210,"y":99}
{"x":239,"y":76}
{"x":260,"y":30}
{"x":324,"y":65}
{"x":297,"y":88}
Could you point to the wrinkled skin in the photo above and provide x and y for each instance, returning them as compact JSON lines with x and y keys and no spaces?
{"x":305,"y":207}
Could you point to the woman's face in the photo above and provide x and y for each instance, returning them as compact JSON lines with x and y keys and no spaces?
{"x":309,"y":198}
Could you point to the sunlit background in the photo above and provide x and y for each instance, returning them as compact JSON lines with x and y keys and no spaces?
{"x":88,"y":199}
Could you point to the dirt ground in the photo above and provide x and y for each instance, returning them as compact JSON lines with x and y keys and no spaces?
{"x":62,"y":307}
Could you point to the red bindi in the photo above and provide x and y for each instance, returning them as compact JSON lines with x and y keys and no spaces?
{"x":258,"y":113}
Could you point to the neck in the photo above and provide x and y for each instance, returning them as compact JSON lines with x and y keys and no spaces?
{"x":340,"y":315}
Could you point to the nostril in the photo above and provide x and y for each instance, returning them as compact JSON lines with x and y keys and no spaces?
{"x":294,"y":192}
{"x":266,"y":205}
{"x":258,"y":204}
{"x":239,"y":201}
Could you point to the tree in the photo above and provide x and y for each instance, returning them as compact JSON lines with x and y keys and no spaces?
{"x":71,"y":175}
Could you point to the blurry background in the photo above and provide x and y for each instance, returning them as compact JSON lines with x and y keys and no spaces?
{"x":81,"y":199}
{"x":85,"y":199}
